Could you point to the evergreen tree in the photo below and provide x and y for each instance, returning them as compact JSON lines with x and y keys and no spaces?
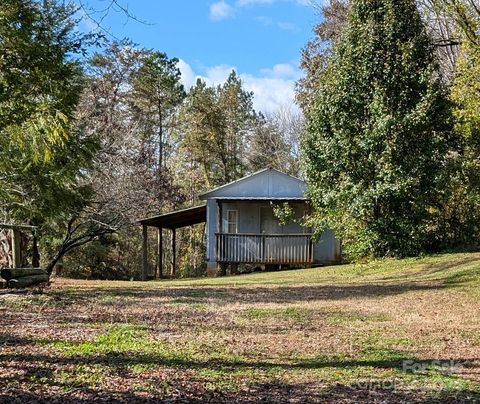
{"x":217,"y":122}
{"x":157,"y":92}
{"x":377,"y":129}
{"x":44,"y":155}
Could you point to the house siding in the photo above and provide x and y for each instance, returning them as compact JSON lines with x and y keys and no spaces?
{"x":261,"y":188}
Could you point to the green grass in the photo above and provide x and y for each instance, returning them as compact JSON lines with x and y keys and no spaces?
{"x":343,"y":332}
{"x":118,"y":338}
{"x":462,"y":268}
{"x":354,"y":317}
{"x":299,"y":315}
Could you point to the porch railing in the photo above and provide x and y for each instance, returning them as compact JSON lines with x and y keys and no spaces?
{"x":264,"y":248}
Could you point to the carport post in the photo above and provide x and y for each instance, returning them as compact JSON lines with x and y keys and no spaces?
{"x":174,"y":253}
{"x":160,"y":252}
{"x":145,"y":253}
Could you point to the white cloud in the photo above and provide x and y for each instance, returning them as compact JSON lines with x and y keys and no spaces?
{"x":287,"y":26}
{"x":218,"y":74}
{"x":270,"y":94}
{"x":273,"y":88}
{"x":282,"y":71}
{"x":221,"y":10}
{"x":188,"y":76}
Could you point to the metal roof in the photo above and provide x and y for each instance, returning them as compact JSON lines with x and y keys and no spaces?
{"x":178,"y":218}
{"x":259,"y":174}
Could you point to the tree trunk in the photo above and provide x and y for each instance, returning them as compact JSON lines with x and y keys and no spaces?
{"x":28,"y":281}
{"x":11,"y":273}
{"x":160,"y":139}
{"x":51,"y":265}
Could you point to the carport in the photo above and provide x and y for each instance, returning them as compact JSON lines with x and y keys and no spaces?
{"x":172,"y":221}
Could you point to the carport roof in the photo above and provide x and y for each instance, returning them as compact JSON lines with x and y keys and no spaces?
{"x":178,"y":218}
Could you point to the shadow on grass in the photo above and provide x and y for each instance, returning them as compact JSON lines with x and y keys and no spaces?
{"x":388,"y":390}
{"x":262,"y":392}
{"x":13,"y":340}
{"x":232,"y":294}
{"x":124,"y":359}
{"x":442,"y":269}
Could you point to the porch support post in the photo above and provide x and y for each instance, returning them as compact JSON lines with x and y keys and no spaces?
{"x":16,"y":248}
{"x":221,"y":267}
{"x":174,"y":253}
{"x":145,"y":253}
{"x":160,"y":252}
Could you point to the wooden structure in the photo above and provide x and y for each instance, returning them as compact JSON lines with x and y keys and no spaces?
{"x":171,"y":221}
{"x":13,"y":249}
{"x":241,"y":227}
{"x":15,"y":267}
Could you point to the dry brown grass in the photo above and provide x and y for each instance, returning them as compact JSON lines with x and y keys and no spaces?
{"x":326,"y":334}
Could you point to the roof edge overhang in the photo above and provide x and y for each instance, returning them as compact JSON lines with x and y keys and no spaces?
{"x":178,"y":218}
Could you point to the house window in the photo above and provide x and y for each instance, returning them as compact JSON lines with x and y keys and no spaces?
{"x":232,"y":221}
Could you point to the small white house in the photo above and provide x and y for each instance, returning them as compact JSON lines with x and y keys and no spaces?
{"x":241,"y":227}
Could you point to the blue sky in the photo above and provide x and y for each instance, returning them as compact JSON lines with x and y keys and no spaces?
{"x":260,"y":39}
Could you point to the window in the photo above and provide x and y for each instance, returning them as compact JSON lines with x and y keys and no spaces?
{"x":232,"y":216}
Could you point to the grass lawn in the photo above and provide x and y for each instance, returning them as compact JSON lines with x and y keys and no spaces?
{"x":387,"y":331}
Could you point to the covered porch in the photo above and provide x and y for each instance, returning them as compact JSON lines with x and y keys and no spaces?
{"x":246,"y":231}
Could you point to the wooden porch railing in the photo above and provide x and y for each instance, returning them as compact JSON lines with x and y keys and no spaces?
{"x":264,"y":248}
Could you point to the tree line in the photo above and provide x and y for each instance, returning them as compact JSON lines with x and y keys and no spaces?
{"x":92,"y":141}
{"x":95,"y":134}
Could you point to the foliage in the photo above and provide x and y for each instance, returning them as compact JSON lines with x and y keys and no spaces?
{"x":377,"y":132}
{"x":157,"y":91}
{"x":283,"y":212}
{"x":40,"y":80}
{"x":217,"y":122}
{"x":43,"y":154}
{"x":460,"y":214}
{"x":317,"y":52}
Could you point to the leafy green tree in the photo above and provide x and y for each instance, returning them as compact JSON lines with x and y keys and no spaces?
{"x":236,"y":105}
{"x":203,"y":135}
{"x":43,"y":154}
{"x":460,"y":215}
{"x":39,"y":84}
{"x":377,"y":132}
{"x":124,"y":174}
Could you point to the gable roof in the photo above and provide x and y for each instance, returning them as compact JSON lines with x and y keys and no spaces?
{"x":268,"y":183}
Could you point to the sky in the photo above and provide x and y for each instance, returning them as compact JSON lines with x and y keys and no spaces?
{"x":260,"y":39}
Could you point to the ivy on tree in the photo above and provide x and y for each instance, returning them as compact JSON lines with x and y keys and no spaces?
{"x":376,"y":132}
